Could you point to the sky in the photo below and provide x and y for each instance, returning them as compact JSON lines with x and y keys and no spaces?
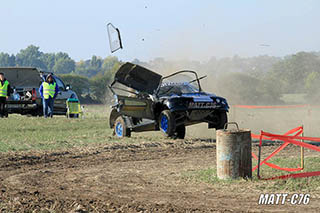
{"x":172,"y":29}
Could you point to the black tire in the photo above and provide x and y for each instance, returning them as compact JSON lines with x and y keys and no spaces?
{"x":120,"y":128}
{"x":34,"y":114}
{"x":167,"y":123}
{"x":114,"y":114}
{"x":74,"y":116}
{"x":180,"y":132}
{"x":38,"y":111}
{"x":222,"y":120}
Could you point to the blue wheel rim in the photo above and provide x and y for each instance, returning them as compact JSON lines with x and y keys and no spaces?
{"x":164,"y":123}
{"x":119,"y":129}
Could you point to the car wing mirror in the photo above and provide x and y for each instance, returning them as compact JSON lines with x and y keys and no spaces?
{"x":68,"y":87}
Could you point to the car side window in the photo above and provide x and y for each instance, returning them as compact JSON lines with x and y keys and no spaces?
{"x":60,"y":84}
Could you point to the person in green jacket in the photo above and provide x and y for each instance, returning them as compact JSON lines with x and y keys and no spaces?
{"x":4,"y":94}
{"x":48,"y":91}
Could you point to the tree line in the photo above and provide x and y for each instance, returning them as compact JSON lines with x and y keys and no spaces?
{"x":242,"y":80}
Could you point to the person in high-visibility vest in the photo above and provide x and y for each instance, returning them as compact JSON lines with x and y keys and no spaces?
{"x":4,"y":94}
{"x":48,"y":91}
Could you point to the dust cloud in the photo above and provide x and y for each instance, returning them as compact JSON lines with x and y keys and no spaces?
{"x":276,"y":121}
{"x":235,"y":80}
{"x":229,"y":78}
{"x":241,"y":80}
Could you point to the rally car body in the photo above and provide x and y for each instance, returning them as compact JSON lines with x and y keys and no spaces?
{"x":145,"y":100}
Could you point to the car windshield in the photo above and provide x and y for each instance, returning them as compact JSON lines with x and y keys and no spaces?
{"x":179,"y":83}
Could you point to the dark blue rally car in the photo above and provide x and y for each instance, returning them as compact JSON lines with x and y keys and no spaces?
{"x":147,"y":101}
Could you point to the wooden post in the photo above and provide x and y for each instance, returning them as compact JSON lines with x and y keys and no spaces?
{"x":302,"y":151}
{"x":259,"y":155}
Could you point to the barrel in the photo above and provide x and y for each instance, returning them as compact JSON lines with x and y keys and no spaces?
{"x":234,"y":153}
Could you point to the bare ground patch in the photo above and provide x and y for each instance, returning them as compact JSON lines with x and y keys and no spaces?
{"x":142,"y":177}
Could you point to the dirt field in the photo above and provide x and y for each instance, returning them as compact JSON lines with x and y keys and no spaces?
{"x":145,"y":177}
{"x":63,"y":165}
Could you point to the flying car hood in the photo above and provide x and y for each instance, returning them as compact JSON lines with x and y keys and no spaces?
{"x":138,"y":78}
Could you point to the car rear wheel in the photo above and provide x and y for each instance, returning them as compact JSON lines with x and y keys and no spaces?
{"x":167,"y":123}
{"x":120,"y":128}
{"x":37,"y":112}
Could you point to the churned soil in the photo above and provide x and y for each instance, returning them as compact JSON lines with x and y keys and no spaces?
{"x":142,"y":177}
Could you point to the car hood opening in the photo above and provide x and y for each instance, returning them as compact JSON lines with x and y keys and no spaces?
{"x":138,"y":78}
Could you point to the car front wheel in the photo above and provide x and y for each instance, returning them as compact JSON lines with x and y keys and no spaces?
{"x":167,"y":123}
{"x":180,"y":132}
{"x":222,"y":119}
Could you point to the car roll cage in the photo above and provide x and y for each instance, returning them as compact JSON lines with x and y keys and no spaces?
{"x":160,"y":83}
{"x":176,"y":73}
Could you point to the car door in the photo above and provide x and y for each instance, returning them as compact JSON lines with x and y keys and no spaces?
{"x":138,"y":107}
{"x":63,"y":95}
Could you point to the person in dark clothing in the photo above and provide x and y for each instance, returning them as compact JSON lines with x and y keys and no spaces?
{"x":4,"y":94}
{"x":48,"y":91}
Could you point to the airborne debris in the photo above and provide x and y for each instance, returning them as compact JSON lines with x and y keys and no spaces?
{"x":114,"y":38}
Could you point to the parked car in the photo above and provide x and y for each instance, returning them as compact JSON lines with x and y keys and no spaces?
{"x":146,"y":101}
{"x":25,"y":98}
